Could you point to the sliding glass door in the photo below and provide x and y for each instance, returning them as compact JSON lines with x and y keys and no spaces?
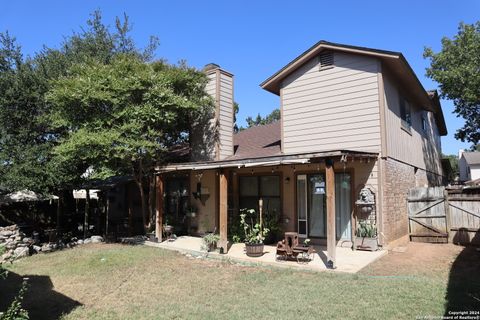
{"x":311,"y":205}
{"x":317,"y":206}
{"x":343,"y":206}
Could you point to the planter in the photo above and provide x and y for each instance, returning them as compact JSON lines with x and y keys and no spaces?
{"x":254,"y":250}
{"x":151,"y":237}
{"x":363,"y":243}
{"x":211,"y":247}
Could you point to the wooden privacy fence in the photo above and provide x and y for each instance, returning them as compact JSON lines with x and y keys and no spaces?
{"x":440,"y":215}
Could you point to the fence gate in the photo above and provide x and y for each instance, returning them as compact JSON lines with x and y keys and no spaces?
{"x":439,"y":215}
{"x":427,"y":214}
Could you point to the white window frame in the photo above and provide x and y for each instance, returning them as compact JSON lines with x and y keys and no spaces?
{"x":302,"y":177}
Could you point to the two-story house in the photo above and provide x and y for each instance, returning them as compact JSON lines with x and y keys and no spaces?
{"x":351,"y":118}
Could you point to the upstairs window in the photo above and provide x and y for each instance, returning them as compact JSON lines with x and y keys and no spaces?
{"x":405,"y":114}
{"x":424,"y":122}
{"x":326,"y":60}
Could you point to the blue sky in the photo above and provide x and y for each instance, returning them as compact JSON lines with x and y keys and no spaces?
{"x":253,"y":39}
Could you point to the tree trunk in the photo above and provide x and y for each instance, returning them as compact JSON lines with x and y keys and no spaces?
{"x":59,"y":214}
{"x":87,"y":211}
{"x":139,"y":180}
{"x":151,"y":200}
{"x":144,"y":206}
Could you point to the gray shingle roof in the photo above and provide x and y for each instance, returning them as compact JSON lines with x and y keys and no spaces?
{"x":259,"y":141}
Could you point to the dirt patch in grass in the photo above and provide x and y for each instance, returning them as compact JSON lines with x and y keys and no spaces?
{"x":426,"y":259}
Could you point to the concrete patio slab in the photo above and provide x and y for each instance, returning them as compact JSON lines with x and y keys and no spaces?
{"x":348,"y":261}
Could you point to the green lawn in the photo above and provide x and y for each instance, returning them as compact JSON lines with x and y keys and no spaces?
{"x":138,"y":282}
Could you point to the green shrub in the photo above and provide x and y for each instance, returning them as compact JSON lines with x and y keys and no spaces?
{"x":210,"y":241}
{"x":254,"y":232}
{"x":366,"y":230}
{"x":16,"y":311}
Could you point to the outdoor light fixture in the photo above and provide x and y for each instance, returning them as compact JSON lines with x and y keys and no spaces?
{"x":287,"y":180}
{"x":198,"y":194}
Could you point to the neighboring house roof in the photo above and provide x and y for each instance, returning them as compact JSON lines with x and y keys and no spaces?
{"x":107,"y":183}
{"x":259,"y":141}
{"x":395,"y":61}
{"x":25,"y":196}
{"x":472,"y":157}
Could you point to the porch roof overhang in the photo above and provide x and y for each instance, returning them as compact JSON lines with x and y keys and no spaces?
{"x":303,"y":158}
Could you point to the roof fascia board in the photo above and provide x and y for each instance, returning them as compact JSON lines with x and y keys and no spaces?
{"x":297,"y":158}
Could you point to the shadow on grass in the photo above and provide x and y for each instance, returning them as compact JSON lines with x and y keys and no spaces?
{"x":463,"y":292}
{"x":41,"y":300}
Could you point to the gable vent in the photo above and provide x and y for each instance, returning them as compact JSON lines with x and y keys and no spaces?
{"x":326,"y":60}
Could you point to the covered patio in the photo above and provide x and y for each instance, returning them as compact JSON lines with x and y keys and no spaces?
{"x":216,"y":188}
{"x":348,"y":261}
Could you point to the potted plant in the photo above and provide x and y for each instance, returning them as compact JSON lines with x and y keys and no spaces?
{"x":210,"y":241}
{"x":366,"y":236}
{"x":168,"y":229}
{"x":254,"y":233}
{"x":306,"y":242}
{"x":151,"y":236}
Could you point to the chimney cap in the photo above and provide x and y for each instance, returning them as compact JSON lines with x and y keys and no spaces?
{"x":211,"y":66}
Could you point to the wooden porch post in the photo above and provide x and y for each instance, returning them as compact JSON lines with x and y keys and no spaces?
{"x":331,"y":238}
{"x":159,"y":208}
{"x":223,"y":204}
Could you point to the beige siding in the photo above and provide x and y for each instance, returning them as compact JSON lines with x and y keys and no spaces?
{"x":204,"y":135}
{"x":337,"y":108}
{"x":211,"y":85}
{"x":220,"y":87}
{"x":225,"y":116}
{"x":419,"y":148}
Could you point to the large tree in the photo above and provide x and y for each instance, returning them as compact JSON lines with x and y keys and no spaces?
{"x":457,"y":70}
{"x":26,"y":136}
{"x":259,"y":120}
{"x":124,"y":116}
